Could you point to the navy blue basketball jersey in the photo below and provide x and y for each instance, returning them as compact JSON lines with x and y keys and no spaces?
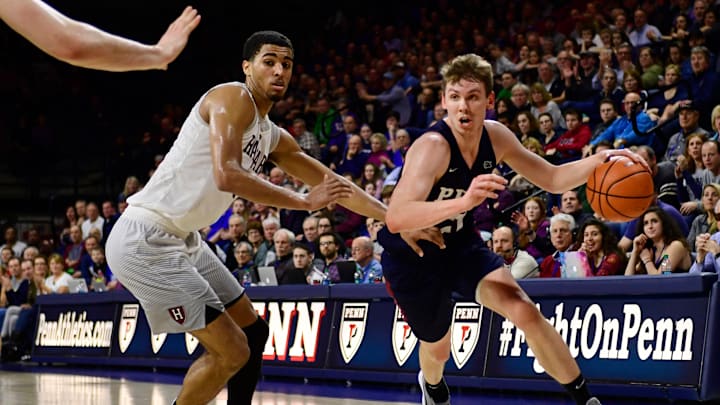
{"x":453,"y":184}
{"x":458,"y":177}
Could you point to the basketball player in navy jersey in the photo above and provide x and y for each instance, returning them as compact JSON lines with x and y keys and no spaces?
{"x":81,"y":44}
{"x":447,"y":174}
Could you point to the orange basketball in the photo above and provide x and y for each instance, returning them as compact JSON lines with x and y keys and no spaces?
{"x":620,"y":190}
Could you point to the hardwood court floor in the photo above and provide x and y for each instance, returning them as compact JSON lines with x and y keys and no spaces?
{"x":37,"y":385}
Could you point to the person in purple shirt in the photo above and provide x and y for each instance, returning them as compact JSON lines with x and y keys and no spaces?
{"x":626,"y":241}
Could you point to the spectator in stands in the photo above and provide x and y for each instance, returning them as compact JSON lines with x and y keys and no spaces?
{"x":548,"y":129}
{"x":708,"y":249}
{"x":58,"y":280}
{"x":325,"y":119}
{"x":562,"y":227}
{"x":519,"y":99}
{"x":30,"y":253}
{"x":100,"y":270}
{"x":518,"y":261}
{"x":329,"y":244}
{"x":508,"y":80}
{"x":658,"y":235}
{"x":643,"y":33}
{"x":704,"y":84}
{"x":80,"y":207}
{"x":354,"y":158}
{"x":568,"y":146}
{"x":665,"y":103}
{"x":600,"y":247}
{"x":663,"y":178}
{"x":650,"y":69}
{"x":245,"y":265}
{"x":689,"y":167}
{"x":255,"y":236}
{"x":541,"y":101}
{"x":399,"y":147}
{"x":12,"y":242}
{"x":111,"y":216}
{"x":337,"y":145}
{"x":307,"y":140}
{"x":14,"y":293}
{"x":74,"y":250}
{"x":549,"y":80}
{"x":69,"y":220}
{"x":132,"y":186}
{"x":373,"y":176}
{"x":570,"y":204}
{"x":526,"y":126}
{"x":533,"y":228}
{"x":608,"y":115}
{"x":689,"y":120}
{"x":705,"y":222}
{"x":379,"y":155}
{"x":369,"y":268}
{"x":94,"y":220}
{"x":281,"y":258}
{"x":393,"y":98}
{"x":621,"y":132}
{"x":270,"y":226}
{"x":715,"y":120}
{"x":236,"y":234}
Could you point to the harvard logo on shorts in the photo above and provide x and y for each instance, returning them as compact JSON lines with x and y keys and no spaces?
{"x":177,"y":314}
{"x":465,"y":331}
{"x":403,"y":339}
{"x":128,"y":322}
{"x":352,"y":328}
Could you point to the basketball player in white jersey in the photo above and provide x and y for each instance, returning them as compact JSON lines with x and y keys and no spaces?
{"x":83,"y":45}
{"x":156,"y":251}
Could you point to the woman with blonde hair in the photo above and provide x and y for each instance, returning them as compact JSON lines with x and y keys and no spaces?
{"x":132,"y":186}
{"x":541,"y":101}
{"x":706,"y":221}
{"x":715,"y":122}
{"x":58,"y":282}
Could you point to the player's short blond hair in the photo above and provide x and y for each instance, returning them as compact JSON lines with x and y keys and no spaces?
{"x":469,"y":67}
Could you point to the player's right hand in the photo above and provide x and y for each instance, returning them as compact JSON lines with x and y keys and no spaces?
{"x":482,"y":187}
{"x":176,"y":36}
{"x":331,"y":189}
{"x":429,"y":234}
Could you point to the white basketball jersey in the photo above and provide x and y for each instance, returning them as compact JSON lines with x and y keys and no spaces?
{"x":183,"y":188}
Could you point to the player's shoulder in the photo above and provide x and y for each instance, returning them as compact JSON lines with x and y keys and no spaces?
{"x":431,"y":139}
{"x":495,"y":127}
{"x":228,"y":98}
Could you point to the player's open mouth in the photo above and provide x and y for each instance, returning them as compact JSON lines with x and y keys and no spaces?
{"x":464,"y":121}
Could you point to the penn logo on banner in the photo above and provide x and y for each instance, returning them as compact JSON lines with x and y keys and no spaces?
{"x":465,"y":331}
{"x":157,"y":341}
{"x":128,"y":323}
{"x":191,"y":343}
{"x":403,"y":339}
{"x":352,"y":328}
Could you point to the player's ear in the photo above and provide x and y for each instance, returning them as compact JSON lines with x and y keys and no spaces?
{"x":491,"y":101}
{"x":246,"y":67}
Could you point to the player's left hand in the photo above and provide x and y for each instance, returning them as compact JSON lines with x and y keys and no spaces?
{"x":176,"y":36}
{"x":614,"y":154}
{"x":429,"y":234}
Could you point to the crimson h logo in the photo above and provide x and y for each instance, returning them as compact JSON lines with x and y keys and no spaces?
{"x":177,"y":314}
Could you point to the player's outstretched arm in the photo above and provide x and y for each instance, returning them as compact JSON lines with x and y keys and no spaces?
{"x":83,"y":45}
{"x":229,"y":111}
{"x":426,"y":161}
{"x":289,"y":157}
{"x":549,"y":177}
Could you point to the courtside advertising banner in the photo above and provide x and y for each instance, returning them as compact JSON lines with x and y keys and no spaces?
{"x":648,"y":339}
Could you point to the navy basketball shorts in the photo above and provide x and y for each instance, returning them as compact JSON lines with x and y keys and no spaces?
{"x":423,"y":287}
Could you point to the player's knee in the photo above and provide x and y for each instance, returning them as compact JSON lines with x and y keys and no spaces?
{"x":235,"y":358}
{"x":257,"y":335}
{"x":524,"y":314}
{"x":439,"y":351}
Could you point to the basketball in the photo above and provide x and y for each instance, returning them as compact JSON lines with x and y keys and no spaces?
{"x":620,"y":190}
